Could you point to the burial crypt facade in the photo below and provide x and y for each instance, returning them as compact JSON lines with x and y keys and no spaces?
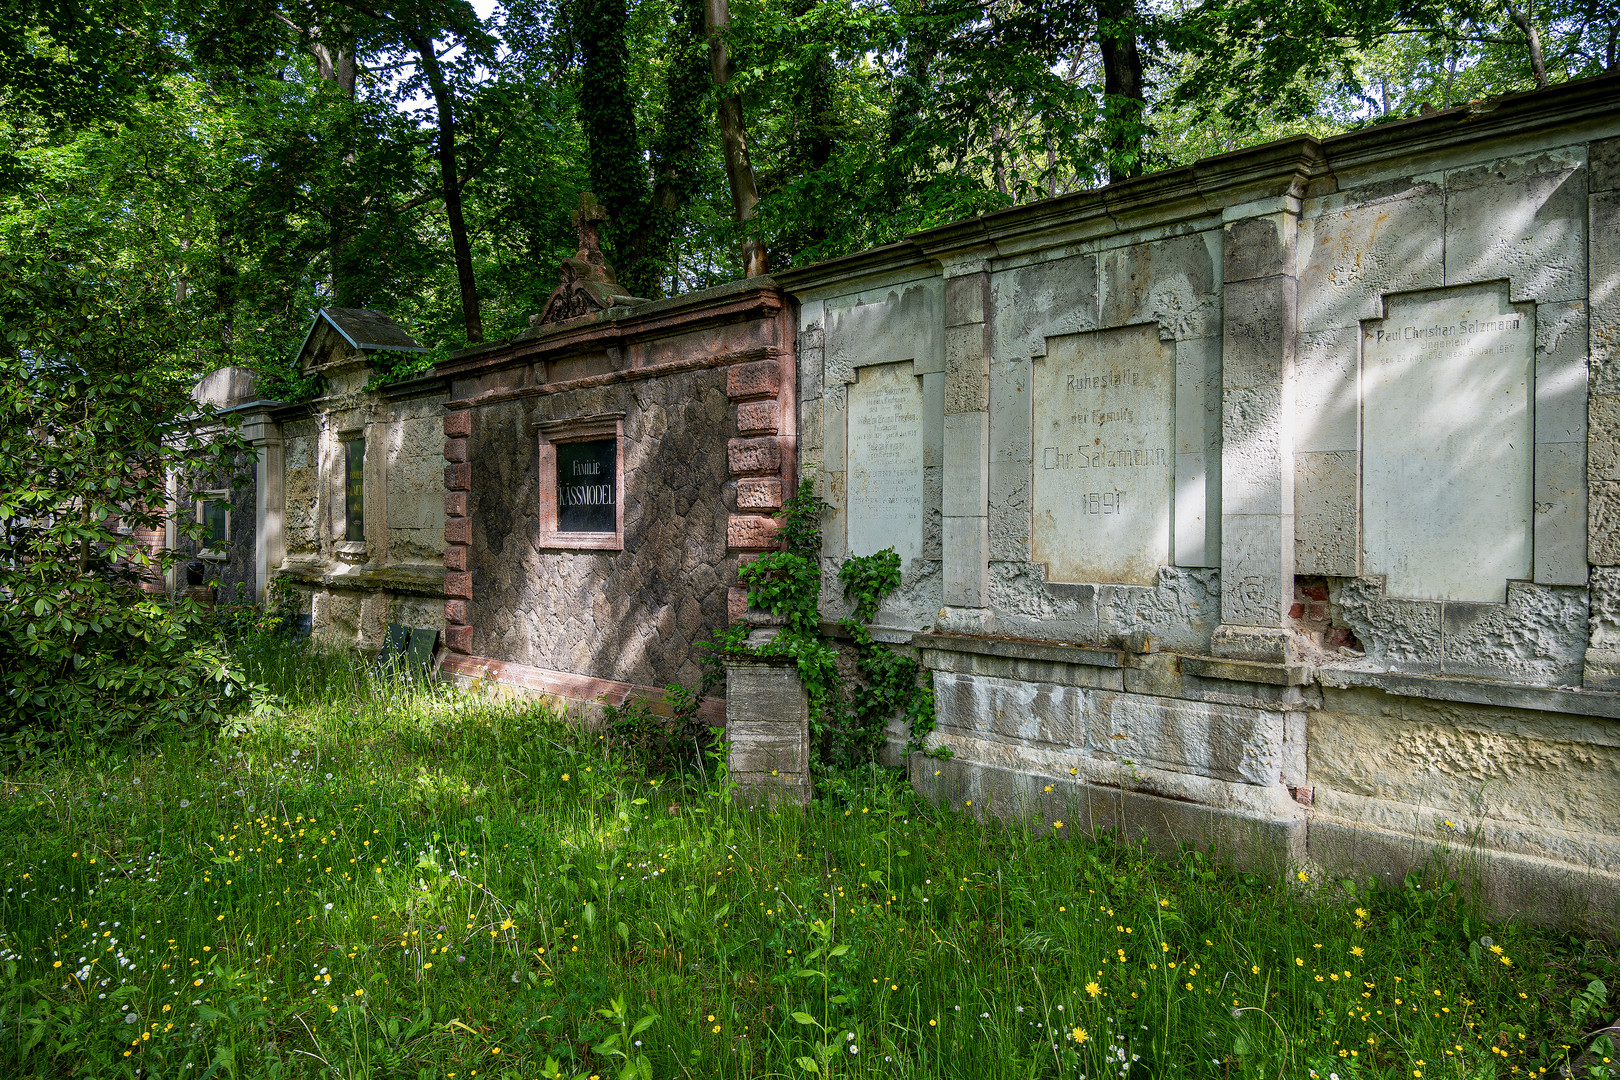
{"x":1272,"y":502}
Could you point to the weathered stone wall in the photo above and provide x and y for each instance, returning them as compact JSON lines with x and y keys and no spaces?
{"x":353,"y":590}
{"x":632,"y":616}
{"x":1265,"y":501}
{"x":698,"y":392}
{"x":230,"y":569}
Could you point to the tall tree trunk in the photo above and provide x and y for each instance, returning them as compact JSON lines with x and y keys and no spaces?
{"x":1124,"y":100}
{"x":445,"y":107}
{"x":676,"y":153}
{"x":617,"y":170}
{"x":333,"y":51}
{"x":225,"y":296}
{"x":733,"y":136}
{"x":1526,"y":22}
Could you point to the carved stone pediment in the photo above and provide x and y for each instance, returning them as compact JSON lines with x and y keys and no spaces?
{"x":579,"y":294}
{"x":587,"y":283}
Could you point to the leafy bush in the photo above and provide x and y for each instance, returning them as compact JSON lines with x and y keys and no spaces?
{"x":95,"y":415}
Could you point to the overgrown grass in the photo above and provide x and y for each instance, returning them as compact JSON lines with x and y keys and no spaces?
{"x":383,"y":880}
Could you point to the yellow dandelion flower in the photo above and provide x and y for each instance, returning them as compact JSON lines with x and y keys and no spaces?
{"x":1079,"y":1035}
{"x":1093,"y":989}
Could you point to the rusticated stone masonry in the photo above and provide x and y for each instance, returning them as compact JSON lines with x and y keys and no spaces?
{"x":457,"y":530}
{"x":700,"y":391}
{"x":761,"y":458}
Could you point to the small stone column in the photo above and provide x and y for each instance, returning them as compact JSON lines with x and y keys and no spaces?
{"x":768,"y":731}
{"x":269,"y":499}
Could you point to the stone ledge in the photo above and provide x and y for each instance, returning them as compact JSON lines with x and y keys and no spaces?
{"x":1477,"y":692}
{"x":1509,"y":884}
{"x":1267,"y":839}
{"x":1249,"y":671}
{"x":563,"y":684}
{"x":409,"y":580}
{"x":1019,"y":649}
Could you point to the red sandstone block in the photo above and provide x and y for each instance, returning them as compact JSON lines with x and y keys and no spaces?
{"x":760,"y":378}
{"x":1339,"y":638}
{"x":1297,"y":611}
{"x":1316,"y":611}
{"x":458,"y":477}
{"x":758,"y":455}
{"x":455,"y":612}
{"x":455,"y":449}
{"x":758,"y":416}
{"x":458,"y":531}
{"x":751,"y":531}
{"x":759,"y":493}
{"x":455,"y":557}
{"x":455,"y":504}
{"x":1313,"y":592}
{"x":736,"y":603}
{"x":458,"y":639}
{"x":458,"y":424}
{"x":458,"y":585}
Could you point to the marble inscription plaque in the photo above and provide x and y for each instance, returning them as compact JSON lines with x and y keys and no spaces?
{"x":1447,"y":473}
{"x":885,"y":492}
{"x":1104,"y":456}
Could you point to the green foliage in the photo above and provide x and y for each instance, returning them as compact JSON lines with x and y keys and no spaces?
{"x":847,"y":722}
{"x":891,"y":684}
{"x":507,"y":895}
{"x":93,"y":420}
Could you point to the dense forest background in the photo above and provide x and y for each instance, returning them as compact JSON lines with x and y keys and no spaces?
{"x":236,"y":165}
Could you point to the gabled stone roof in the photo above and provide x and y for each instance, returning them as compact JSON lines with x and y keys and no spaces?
{"x":363,"y":329}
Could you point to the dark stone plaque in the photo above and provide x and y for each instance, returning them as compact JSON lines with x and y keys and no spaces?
{"x":588,"y":486}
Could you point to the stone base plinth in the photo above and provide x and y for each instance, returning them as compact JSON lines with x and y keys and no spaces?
{"x":768,"y":733}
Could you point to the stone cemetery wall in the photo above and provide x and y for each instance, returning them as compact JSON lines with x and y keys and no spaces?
{"x":1249,"y":502}
{"x":605,"y":472}
{"x":226,"y":568}
{"x":353,"y":589}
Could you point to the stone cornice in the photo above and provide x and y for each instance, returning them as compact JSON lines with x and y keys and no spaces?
{"x":617,"y":328}
{"x":1286,"y":169}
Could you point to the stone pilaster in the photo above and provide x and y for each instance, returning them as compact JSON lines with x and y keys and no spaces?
{"x":966,"y":497}
{"x":1260,"y":304}
{"x":1602,"y":668}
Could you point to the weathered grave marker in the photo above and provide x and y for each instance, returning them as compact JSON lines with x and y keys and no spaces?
{"x":885,"y":461}
{"x":1447,"y":481}
{"x":1103,"y":456}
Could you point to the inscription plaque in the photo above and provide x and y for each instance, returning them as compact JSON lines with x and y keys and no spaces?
{"x":587,"y":486}
{"x":1447,"y":475}
{"x":1104,"y":461}
{"x":885,"y":480}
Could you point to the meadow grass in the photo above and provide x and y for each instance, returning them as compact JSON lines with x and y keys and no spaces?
{"x":382,"y":879}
